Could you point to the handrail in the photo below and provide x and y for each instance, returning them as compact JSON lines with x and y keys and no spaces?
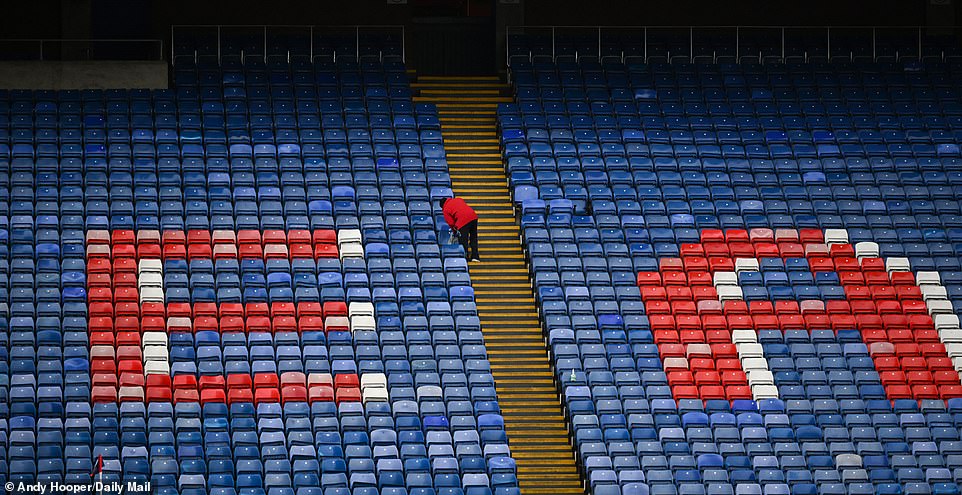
{"x":154,"y":52}
{"x":738,"y":32}
{"x":265,"y":30}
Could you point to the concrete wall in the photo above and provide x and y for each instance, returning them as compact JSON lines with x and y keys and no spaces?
{"x":83,"y":75}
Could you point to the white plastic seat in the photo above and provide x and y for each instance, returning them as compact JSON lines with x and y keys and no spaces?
{"x":676,"y":363}
{"x":816,"y":249}
{"x":725,"y":278}
{"x":179,"y":324}
{"x":320,"y":379}
{"x":876,"y":348}
{"x":786,"y":235}
{"x":761,"y":235}
{"x":362,"y":323}
{"x":709,"y":306}
{"x":429,"y":392}
{"x":223,"y":237}
{"x":764,"y":391}
{"x":150,"y":265}
{"x":351,"y":250}
{"x":760,"y":377}
{"x":150,"y":279}
{"x":156,"y":353}
{"x":754,"y":363}
{"x":746,"y":264}
{"x":729,"y":293}
{"x":951,"y":336}
{"x":957,"y":363}
{"x":360,"y":309}
{"x":848,"y":461}
{"x":953,"y":349}
{"x":337,"y":321}
{"x":152,"y":294}
{"x":928,"y":278}
{"x":224,"y":251}
{"x":131,"y":394}
{"x":698,"y":350}
{"x":897,"y":265}
{"x":946,"y":322}
{"x":373,"y":380}
{"x":98,"y":251}
{"x":744,"y":336}
{"x":933,"y":292}
{"x":866,"y":249}
{"x":374,"y":395}
{"x":836,"y":236}
{"x":156,"y":367}
{"x":811,"y":306}
{"x":940,"y":307}
{"x":750,"y":349}
{"x":153,"y":338}
{"x":346,"y":236}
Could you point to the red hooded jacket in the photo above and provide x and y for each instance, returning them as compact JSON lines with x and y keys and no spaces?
{"x":457,"y":213}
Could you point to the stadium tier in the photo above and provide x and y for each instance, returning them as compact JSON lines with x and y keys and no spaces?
{"x":240,"y":285}
{"x":748,"y":273}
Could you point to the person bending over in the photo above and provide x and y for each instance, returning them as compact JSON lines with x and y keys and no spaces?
{"x":462,"y":219}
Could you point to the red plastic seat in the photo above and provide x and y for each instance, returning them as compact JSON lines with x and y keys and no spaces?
{"x":700,"y":278}
{"x":658,"y":307}
{"x":325,"y":236}
{"x":310,"y":324}
{"x":335,"y":308}
{"x":741,"y":249}
{"x":266,"y":380}
{"x":767,"y":250}
{"x":239,"y":395}
{"x":714,"y":323}
{"x":670,"y":264}
{"x":649,"y":279}
{"x":678,"y":293}
{"x":211,"y":382}
{"x":791,"y":250}
{"x":665,"y":335}
{"x":721,"y":264}
{"x":717,"y":249}
{"x":266,"y":396}
{"x":239,"y":381}
{"x":321,"y":393}
{"x":712,"y":235}
{"x":248,"y":237}
{"x":682,"y":308}
{"x":213,"y":396}
{"x":103,"y":394}
{"x":691,"y":249}
{"x":158,"y":394}
{"x":712,"y":392}
{"x":342,"y":395}
{"x":186,"y":395}
{"x":736,"y":235}
{"x":695,"y":264}
{"x":704,"y":293}
{"x":735,"y":307}
{"x":294,"y":393}
{"x":674,"y":278}
{"x":810,"y":236}
{"x":842,"y":251}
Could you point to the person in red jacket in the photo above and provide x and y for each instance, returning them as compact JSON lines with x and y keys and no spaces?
{"x":462,"y":219}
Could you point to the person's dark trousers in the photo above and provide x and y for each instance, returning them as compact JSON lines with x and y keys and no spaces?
{"x":468,"y":235}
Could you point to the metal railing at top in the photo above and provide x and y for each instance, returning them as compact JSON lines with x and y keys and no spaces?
{"x":197,"y":42}
{"x":80,"y":49}
{"x":732,"y":42}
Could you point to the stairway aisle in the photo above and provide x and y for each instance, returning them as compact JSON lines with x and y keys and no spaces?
{"x":534,"y":421}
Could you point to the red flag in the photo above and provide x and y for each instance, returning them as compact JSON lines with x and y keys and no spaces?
{"x":99,"y":467}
